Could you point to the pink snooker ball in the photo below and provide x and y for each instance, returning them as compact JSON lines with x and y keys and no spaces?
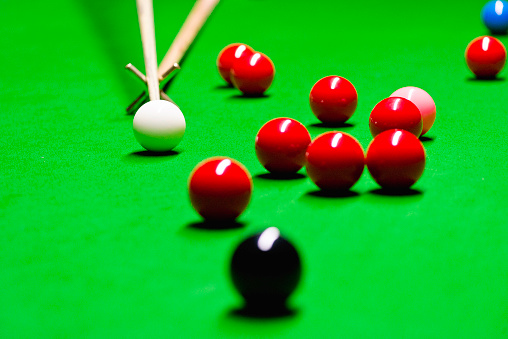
{"x":423,"y":101}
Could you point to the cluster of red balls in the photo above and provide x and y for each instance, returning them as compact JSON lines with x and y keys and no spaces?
{"x":250,"y":71}
{"x":335,"y":160}
{"x":220,"y":188}
{"x":485,"y":57}
{"x":395,"y":158}
{"x":333,"y":100}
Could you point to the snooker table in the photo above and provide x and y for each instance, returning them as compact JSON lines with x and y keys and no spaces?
{"x":99,"y":239}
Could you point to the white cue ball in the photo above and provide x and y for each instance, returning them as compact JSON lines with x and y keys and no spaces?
{"x":159,"y":125}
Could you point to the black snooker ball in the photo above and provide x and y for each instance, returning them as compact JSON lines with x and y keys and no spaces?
{"x":266,"y":269}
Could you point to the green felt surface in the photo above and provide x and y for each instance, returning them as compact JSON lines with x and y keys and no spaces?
{"x":99,"y":240}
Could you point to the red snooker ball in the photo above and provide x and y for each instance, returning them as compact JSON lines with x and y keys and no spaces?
{"x":393,"y":113}
{"x":333,"y":99}
{"x":253,"y":74}
{"x":485,"y":56}
{"x":335,"y":161}
{"x":220,"y":188}
{"x":281,"y":145}
{"x":396,"y":159}
{"x":228,"y":56}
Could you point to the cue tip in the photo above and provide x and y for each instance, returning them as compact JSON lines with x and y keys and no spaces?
{"x":136,"y":72}
{"x":170,"y":70}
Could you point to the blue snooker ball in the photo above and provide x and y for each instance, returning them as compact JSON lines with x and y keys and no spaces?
{"x":495,"y":16}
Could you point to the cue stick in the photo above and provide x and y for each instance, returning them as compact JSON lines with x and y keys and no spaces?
{"x":136,"y":72}
{"x":143,"y":97}
{"x":142,"y":77}
{"x":190,"y":28}
{"x":173,"y":67}
{"x":147,"y":28}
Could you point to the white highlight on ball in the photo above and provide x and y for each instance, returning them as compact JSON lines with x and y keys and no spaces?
{"x":335,"y":81}
{"x":221,"y":167}
{"x":485,"y":43}
{"x":397,"y":104}
{"x":336,"y":139}
{"x":396,"y":138}
{"x":499,"y":7}
{"x":267,"y":238}
{"x":159,"y":126}
{"x":255,"y":59}
{"x":239,"y":51}
{"x":284,"y":125}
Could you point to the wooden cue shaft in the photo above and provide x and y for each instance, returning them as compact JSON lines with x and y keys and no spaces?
{"x":147,"y":28}
{"x":142,"y":77}
{"x":190,"y":28}
{"x":136,"y":72}
{"x":171,"y":69}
